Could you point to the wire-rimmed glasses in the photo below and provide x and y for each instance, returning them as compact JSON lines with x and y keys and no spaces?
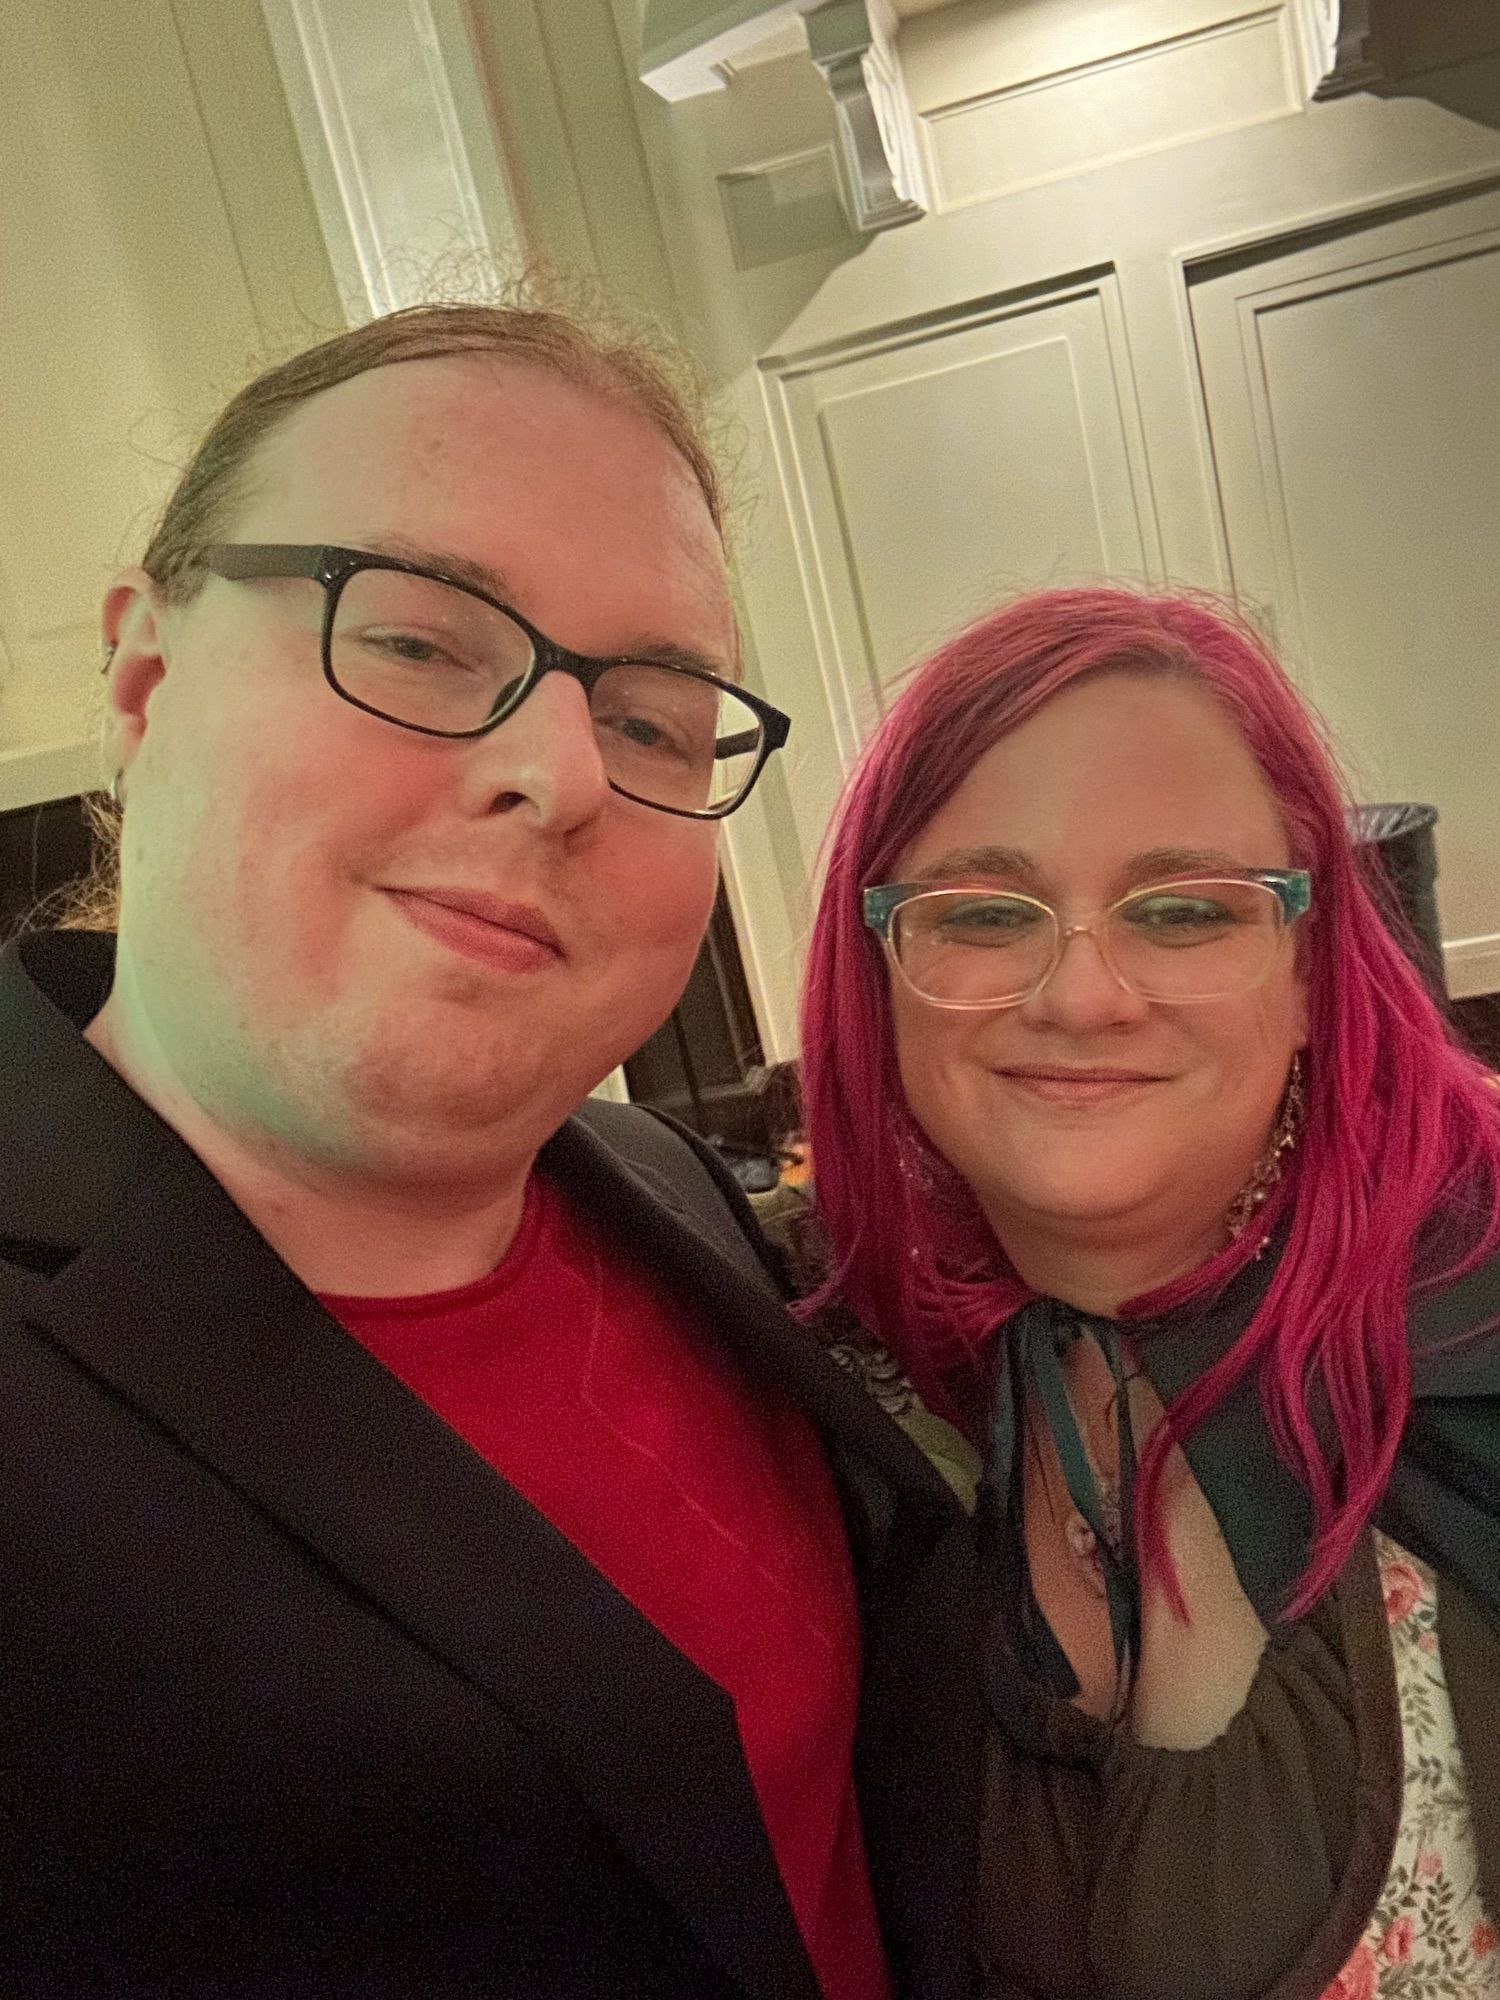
{"x":427,"y":653}
{"x":1205,"y":938}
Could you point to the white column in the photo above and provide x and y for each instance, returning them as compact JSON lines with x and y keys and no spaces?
{"x":398,"y":137}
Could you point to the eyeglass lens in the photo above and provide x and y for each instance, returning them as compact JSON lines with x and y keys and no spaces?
{"x":433,"y":656}
{"x":1199,"y":940}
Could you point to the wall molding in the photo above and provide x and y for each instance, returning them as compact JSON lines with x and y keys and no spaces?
{"x":383,"y":95}
{"x":1472,"y":966}
{"x":1339,"y":44}
{"x":1181,"y":75}
{"x":689,"y":51}
{"x":853,"y":44}
{"x":792,"y":385}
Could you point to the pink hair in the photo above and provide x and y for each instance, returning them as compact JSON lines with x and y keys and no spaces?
{"x":1401,"y":1129}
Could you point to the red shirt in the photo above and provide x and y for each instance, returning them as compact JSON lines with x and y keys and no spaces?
{"x":705,"y":1502}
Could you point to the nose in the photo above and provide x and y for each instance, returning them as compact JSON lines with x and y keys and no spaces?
{"x":543,"y":759}
{"x":1082,"y":994}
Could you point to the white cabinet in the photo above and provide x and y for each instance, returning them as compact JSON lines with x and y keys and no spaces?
{"x":1353,"y":392}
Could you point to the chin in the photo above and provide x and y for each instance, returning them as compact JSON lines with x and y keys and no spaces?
{"x":1088,"y":1205}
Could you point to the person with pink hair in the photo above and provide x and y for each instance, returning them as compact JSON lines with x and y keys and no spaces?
{"x":1141,"y":1146}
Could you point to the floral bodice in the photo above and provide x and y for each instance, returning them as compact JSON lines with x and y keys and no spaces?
{"x":1430,"y":1936}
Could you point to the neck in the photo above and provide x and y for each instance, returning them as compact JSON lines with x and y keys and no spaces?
{"x":1099,"y":1270}
{"x":353,"y":1231}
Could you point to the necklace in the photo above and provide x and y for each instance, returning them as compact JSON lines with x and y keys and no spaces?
{"x":1098,"y":1432}
{"x":1099,"y":1543}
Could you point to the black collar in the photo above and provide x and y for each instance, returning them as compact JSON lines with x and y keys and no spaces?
{"x":1263,"y":1512}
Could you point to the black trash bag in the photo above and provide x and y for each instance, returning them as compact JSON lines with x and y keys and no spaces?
{"x":1404,"y":843}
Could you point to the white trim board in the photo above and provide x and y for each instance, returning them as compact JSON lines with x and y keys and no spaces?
{"x":32,"y":777}
{"x":1472,"y":966}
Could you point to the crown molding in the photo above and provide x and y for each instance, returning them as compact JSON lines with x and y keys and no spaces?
{"x":1341,"y":45}
{"x":853,"y":43}
{"x":691,"y":47}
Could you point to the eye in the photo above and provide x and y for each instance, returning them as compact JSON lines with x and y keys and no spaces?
{"x":402,"y":625}
{"x":417,"y":649}
{"x":1170,"y":917}
{"x":653,"y":735}
{"x":654,"y":713}
{"x":984,"y":920}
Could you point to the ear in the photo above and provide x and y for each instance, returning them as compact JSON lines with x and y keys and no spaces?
{"x":134,"y":660}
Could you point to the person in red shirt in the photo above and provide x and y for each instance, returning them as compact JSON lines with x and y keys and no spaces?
{"x":435,"y":1563}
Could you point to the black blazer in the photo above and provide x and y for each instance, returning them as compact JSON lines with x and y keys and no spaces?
{"x":298,"y":1697}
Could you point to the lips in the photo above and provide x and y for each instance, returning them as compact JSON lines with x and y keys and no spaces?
{"x":514,"y":936}
{"x":1076,"y":1073}
{"x":1064,"y":1084}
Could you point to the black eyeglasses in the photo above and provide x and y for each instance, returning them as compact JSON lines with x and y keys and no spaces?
{"x":432,"y":655}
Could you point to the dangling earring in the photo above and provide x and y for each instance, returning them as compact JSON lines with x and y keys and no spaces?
{"x":117,"y":791}
{"x":1268,"y":1168}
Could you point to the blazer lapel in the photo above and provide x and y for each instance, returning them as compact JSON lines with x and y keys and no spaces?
{"x":215,"y":1341}
{"x":743,"y":1313}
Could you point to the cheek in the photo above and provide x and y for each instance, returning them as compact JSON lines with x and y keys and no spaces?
{"x":654,"y":895}
{"x":269,"y":821}
{"x":933,"y":1059}
{"x":1250,"y":1048}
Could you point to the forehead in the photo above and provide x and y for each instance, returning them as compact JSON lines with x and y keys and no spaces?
{"x":1110,"y":770}
{"x":577,"y":502}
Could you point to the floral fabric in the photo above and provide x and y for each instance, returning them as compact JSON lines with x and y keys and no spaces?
{"x":1430,"y":1936}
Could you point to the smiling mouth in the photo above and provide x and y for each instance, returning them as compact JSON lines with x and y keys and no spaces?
{"x":1076,"y":1073}
{"x":514,"y":937}
{"x":1062,"y":1085}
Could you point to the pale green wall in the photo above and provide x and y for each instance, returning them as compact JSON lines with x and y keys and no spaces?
{"x":157,"y":245}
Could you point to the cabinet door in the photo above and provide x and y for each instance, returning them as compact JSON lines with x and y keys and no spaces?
{"x":932,"y":474}
{"x":1353,"y":391}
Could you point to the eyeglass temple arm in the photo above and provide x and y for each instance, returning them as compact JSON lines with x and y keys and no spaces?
{"x":242,"y":562}
{"x":1293,"y":888}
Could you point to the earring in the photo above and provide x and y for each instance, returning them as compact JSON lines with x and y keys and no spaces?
{"x":1268,"y":1168}
{"x":109,"y":653}
{"x":117,"y":791}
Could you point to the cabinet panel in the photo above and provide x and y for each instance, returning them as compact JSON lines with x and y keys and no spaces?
{"x":1153,"y":90}
{"x":1353,"y":388}
{"x":931,"y":473}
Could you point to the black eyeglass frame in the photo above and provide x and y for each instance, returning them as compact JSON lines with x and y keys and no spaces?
{"x":333,"y":567}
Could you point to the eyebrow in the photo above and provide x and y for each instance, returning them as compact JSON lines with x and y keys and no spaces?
{"x":1158,"y":861}
{"x":462,"y":570}
{"x":471,"y":575}
{"x":961,"y":861}
{"x":1017,"y":865}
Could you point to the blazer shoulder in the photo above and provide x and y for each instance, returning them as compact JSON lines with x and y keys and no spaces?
{"x":685,"y":1172}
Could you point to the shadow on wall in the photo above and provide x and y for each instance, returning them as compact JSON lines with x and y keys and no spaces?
{"x":1447,"y":51}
